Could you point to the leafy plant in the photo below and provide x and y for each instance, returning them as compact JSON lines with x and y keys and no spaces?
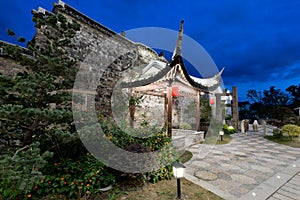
{"x":185,"y":126}
{"x":228,"y":117}
{"x":277,"y":133}
{"x":74,"y":178}
{"x":150,"y":142}
{"x":228,"y":129}
{"x":20,"y":171}
{"x":291,"y":130}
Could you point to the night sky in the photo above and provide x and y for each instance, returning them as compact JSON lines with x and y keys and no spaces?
{"x":257,"y":41}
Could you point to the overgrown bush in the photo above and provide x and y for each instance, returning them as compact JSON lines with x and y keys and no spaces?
{"x":292,"y":130}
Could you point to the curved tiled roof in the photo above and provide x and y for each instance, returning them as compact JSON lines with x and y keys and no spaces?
{"x":205,"y":84}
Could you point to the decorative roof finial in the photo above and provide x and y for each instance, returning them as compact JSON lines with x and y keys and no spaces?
{"x":177,"y":50}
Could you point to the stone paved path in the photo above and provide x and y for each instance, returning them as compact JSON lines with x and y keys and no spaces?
{"x":249,"y":167}
{"x":290,"y":190}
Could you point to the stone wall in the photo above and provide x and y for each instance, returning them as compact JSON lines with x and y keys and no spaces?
{"x":117,"y":56}
{"x":151,"y":110}
{"x":9,"y":66}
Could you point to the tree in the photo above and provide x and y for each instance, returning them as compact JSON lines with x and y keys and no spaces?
{"x":266,"y":102}
{"x":294,"y":92}
{"x":36,"y":103}
{"x":272,"y":96}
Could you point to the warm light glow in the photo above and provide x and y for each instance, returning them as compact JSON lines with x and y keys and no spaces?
{"x":221,"y":132}
{"x":212,"y":101}
{"x":178,"y":170}
{"x":175,"y":91}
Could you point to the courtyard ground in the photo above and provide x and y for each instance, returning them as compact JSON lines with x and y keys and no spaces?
{"x":247,"y":167}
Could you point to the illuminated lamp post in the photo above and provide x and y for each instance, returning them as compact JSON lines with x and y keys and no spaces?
{"x":221,"y":133}
{"x":178,"y":173}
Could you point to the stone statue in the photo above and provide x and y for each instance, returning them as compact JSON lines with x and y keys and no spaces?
{"x":243,"y":126}
{"x":255,"y":126}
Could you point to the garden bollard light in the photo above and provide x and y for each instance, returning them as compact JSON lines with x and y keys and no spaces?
{"x":178,"y":172}
{"x":221,"y":133}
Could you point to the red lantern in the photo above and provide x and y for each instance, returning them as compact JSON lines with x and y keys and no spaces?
{"x":212,"y":101}
{"x":175,"y":91}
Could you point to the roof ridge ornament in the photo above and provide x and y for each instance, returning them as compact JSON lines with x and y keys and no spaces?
{"x":177,"y":50}
{"x":41,"y":10}
{"x":60,"y":2}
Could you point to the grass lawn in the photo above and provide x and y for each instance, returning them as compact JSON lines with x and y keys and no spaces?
{"x":186,"y":156}
{"x":163,"y":190}
{"x":285,"y":141}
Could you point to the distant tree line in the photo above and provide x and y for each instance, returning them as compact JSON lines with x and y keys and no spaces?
{"x":274,"y":103}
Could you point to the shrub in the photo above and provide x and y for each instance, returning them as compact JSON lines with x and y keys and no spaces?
{"x":161,"y":174}
{"x":20,"y":171}
{"x":292,"y":120}
{"x":185,"y":126}
{"x":228,"y":117}
{"x":74,"y":178}
{"x":228,"y":129}
{"x":152,"y":140}
{"x":291,"y":130}
{"x":277,"y":133}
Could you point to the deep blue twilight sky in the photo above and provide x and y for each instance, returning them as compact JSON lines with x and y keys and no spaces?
{"x":257,"y":41}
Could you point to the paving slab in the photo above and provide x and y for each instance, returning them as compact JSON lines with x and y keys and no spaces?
{"x":249,"y":167}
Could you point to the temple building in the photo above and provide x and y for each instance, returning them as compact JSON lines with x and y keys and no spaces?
{"x":170,"y":81}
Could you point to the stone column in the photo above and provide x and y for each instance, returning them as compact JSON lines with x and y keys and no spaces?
{"x":264,"y":124}
{"x":169,"y":115}
{"x":198,"y":112}
{"x":235,"y":108}
{"x":219,"y":108}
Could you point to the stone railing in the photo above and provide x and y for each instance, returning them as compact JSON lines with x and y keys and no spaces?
{"x":183,"y":139}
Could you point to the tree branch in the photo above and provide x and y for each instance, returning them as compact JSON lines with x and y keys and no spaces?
{"x":23,"y":148}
